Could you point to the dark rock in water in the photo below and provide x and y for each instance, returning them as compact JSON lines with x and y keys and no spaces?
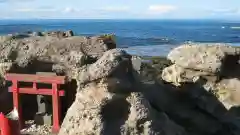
{"x":59,"y":34}
{"x":69,"y":33}
{"x":36,"y":34}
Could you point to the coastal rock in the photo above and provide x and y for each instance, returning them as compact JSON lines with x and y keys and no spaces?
{"x":107,"y":64}
{"x":208,"y":75}
{"x":176,"y":74}
{"x":59,"y":52}
{"x":213,"y":105}
{"x":182,"y":110}
{"x":5,"y":96}
{"x":59,"y":34}
{"x":221,"y":80}
{"x":106,"y":113}
{"x":227,"y":91}
{"x":69,"y":51}
{"x":5,"y":38}
{"x":143,"y":119}
{"x":205,"y":57}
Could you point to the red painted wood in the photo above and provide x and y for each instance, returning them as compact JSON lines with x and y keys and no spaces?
{"x":4,"y":125}
{"x":16,"y":102}
{"x":34,"y":85}
{"x":54,"y":80}
{"x":35,"y":78}
{"x":56,"y":108}
{"x":38,"y":91}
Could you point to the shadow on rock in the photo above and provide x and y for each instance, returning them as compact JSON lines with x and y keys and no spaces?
{"x":114,"y":114}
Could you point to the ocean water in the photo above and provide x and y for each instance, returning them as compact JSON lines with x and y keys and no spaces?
{"x":144,"y":37}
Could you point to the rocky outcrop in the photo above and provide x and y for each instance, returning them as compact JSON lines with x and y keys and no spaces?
{"x":105,"y":106}
{"x":213,"y":72}
{"x":195,"y":92}
{"x":205,"y":57}
{"x":59,"y":52}
{"x":51,"y":49}
{"x":108,"y":63}
{"x":218,"y":64}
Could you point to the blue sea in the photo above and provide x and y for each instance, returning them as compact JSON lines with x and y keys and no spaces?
{"x":142,"y":37}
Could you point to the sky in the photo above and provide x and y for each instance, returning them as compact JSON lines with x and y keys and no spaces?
{"x":119,"y":9}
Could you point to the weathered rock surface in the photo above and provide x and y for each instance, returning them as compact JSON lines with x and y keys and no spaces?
{"x":106,"y":105}
{"x":194,"y":94}
{"x":108,"y":63}
{"x":107,"y":113}
{"x":209,"y":73}
{"x":221,"y":80}
{"x":205,"y":57}
{"x":177,"y":75}
{"x":56,"y":51}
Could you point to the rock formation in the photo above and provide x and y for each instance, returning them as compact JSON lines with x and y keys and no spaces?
{"x":194,"y":92}
{"x":109,"y":104}
{"x":213,"y":70}
{"x":217,"y":63}
{"x":58,"y":52}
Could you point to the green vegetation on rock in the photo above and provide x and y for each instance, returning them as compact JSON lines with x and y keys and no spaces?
{"x":152,"y":68}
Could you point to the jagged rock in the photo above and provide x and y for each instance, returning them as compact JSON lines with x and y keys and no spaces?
{"x":59,"y":51}
{"x":181,"y":109}
{"x":106,"y":113}
{"x":69,"y":51}
{"x":58,"y":34}
{"x":213,"y":106}
{"x":110,"y":61}
{"x":143,"y":119}
{"x":25,"y":60}
{"x":205,"y":57}
{"x":176,"y":74}
{"x":86,"y":110}
{"x":227,"y":91}
{"x":5,"y":96}
{"x":97,"y":45}
{"x":4,"y":68}
{"x":76,"y":58}
{"x":137,"y":63}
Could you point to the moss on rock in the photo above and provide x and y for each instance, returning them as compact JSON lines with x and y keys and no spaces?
{"x":152,"y":67}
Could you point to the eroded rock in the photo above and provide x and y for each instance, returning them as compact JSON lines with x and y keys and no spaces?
{"x":177,"y":75}
{"x":106,"y":113}
{"x":108,"y":63}
{"x":205,"y":57}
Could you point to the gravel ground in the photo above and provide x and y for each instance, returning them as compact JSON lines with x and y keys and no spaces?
{"x":33,"y":129}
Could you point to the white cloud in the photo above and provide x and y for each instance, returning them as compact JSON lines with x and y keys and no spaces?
{"x":116,"y":8}
{"x":6,"y":1}
{"x":161,"y":9}
{"x":70,"y":10}
{"x":226,"y":11}
{"x":36,"y":10}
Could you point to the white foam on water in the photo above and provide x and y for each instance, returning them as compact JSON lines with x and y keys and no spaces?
{"x":155,"y":50}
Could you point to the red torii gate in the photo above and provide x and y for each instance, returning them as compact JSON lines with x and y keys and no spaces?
{"x":54,"y":92}
{"x":8,"y":127}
